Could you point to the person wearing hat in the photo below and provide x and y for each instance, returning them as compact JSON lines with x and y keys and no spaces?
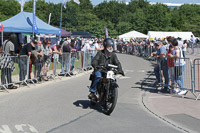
{"x":161,"y":69}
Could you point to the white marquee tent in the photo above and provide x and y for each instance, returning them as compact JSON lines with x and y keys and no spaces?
{"x":159,"y":34}
{"x":133,"y":34}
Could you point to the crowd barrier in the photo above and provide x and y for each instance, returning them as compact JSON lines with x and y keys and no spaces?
{"x":196,"y":82}
{"x":30,"y":70}
{"x":18,"y":75}
{"x":179,"y":74}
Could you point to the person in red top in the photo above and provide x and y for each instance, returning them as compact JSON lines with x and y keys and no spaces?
{"x":170,"y":63}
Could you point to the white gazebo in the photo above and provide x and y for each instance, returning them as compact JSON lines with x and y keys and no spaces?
{"x":133,"y":34}
{"x":160,"y":35}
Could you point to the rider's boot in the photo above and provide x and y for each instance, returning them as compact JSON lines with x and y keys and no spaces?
{"x":92,"y":96}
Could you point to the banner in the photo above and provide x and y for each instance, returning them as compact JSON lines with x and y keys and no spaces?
{"x":1,"y":27}
{"x":106,"y":32}
{"x":22,"y":5}
{"x":35,"y":28}
{"x":49,"y":18}
{"x":64,"y":4}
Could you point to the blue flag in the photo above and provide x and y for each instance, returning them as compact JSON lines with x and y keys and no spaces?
{"x":35,"y":28}
{"x":106,"y":32}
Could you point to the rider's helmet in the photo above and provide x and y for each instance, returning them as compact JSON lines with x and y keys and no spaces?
{"x":108,"y":42}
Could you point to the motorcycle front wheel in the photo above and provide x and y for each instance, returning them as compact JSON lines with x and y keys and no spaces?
{"x":110,"y":101}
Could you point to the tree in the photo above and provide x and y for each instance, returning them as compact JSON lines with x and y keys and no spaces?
{"x":86,"y":6}
{"x":5,"y":9}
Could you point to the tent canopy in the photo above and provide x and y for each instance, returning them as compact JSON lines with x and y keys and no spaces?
{"x":65,"y":33}
{"x":161,"y":35}
{"x":82,"y":34}
{"x":19,"y":24}
{"x":133,"y":34}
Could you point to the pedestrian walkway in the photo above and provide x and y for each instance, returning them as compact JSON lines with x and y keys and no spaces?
{"x":183,"y":111}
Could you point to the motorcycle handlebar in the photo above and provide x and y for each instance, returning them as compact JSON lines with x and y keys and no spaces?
{"x":105,"y":69}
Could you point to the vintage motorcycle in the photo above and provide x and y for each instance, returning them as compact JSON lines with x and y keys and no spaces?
{"x":107,"y":89}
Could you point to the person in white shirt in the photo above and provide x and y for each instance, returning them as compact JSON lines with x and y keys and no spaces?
{"x":180,"y":42}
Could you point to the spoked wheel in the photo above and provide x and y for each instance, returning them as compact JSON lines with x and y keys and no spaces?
{"x":109,"y":104}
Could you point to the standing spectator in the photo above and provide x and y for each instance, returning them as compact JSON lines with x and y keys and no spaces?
{"x":99,"y":45}
{"x":7,"y":65}
{"x":180,"y":43}
{"x":46,"y":59}
{"x":169,"y":42}
{"x":26,"y":50}
{"x":78,"y":47}
{"x":192,"y":42}
{"x":65,"y":57}
{"x":33,"y":56}
{"x":162,"y":66}
{"x":170,"y":62}
{"x":92,"y":50}
{"x":38,"y":60}
{"x":184,"y":48}
{"x":179,"y":67}
{"x":56,"y":49}
{"x":72,"y":49}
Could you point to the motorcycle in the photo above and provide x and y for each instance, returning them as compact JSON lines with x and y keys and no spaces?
{"x":107,"y":89}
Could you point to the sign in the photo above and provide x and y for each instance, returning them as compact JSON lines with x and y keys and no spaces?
{"x":35,"y":28}
{"x":1,"y":27}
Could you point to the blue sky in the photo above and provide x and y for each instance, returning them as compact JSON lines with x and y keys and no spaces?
{"x":95,"y":2}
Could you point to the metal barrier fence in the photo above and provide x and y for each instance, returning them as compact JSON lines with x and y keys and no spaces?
{"x":87,"y":59}
{"x":140,"y":50}
{"x":196,"y":70}
{"x":179,"y":71}
{"x":185,"y":76}
{"x":32,"y":70}
{"x":18,"y":75}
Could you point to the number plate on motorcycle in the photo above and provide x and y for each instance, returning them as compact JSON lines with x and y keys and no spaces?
{"x":110,"y":75}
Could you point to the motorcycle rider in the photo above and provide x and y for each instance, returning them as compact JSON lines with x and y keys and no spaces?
{"x":103,"y":58}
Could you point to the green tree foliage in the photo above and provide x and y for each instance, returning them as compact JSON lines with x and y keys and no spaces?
{"x":118,"y":17}
{"x":8,"y":8}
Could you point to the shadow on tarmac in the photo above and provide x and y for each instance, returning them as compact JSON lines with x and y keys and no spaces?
{"x":85,"y":104}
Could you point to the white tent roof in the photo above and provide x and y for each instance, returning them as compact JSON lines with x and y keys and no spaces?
{"x":133,"y":34}
{"x":160,"y":34}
